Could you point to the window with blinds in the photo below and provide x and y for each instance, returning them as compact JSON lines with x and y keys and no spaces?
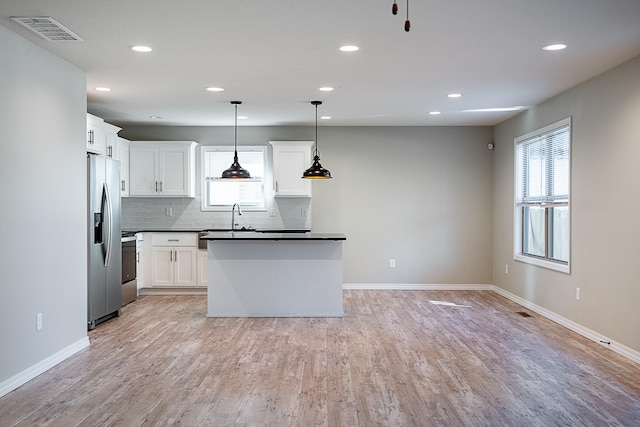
{"x":543,"y":160}
{"x":220,"y":194}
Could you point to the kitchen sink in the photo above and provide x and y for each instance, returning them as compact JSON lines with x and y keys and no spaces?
{"x":202,"y":244}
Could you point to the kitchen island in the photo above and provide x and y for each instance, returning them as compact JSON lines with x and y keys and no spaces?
{"x":254,"y":274}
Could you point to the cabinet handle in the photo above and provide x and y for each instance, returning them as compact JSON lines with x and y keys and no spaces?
{"x":176,"y":257}
{"x":170,"y":255}
{"x":124,"y":186}
{"x":277,"y":188}
{"x":156,"y":186}
{"x":91,"y":137}
{"x":110,"y":149}
{"x":161,"y":186}
{"x":173,"y":240}
{"x":137,"y":257}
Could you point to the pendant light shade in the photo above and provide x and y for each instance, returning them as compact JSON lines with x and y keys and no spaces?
{"x":316,"y":171}
{"x":235,"y":171}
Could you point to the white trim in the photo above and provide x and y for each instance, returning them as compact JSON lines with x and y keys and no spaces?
{"x":187,"y":290}
{"x":575,"y":327}
{"x":562,"y":321}
{"x":557,"y":266}
{"x":42,"y":366}
{"x":48,"y":363}
{"x":517,"y":215}
{"x":415,"y":287}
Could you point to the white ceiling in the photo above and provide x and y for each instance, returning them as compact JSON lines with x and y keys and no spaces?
{"x":274,"y":55}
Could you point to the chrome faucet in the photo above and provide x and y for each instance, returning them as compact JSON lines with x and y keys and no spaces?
{"x":233,"y":215}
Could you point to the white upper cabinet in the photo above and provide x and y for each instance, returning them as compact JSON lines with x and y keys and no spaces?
{"x":162,"y":168}
{"x":101,"y":136}
{"x":290,"y":160}
{"x":111,"y":138}
{"x":121,"y":153}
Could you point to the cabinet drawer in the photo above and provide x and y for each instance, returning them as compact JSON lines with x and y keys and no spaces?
{"x":174,"y":239}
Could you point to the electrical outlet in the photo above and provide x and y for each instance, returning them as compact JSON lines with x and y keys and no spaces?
{"x":506,"y":269}
{"x":392,"y":263}
{"x":272,"y":212}
{"x":38,"y":321}
{"x":168,"y":211}
{"x":303,"y":212}
{"x":577,"y":294}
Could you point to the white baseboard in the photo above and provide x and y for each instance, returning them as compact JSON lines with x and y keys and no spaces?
{"x":575,"y":327}
{"x":46,"y":364}
{"x":173,"y":291}
{"x":42,"y":366}
{"x":414,"y":287}
{"x":585,"y":332}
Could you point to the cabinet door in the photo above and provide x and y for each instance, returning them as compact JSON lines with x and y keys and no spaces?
{"x":110,"y":144}
{"x":173,"y":171}
{"x":122,"y":154}
{"x":142,"y":170}
{"x":163,"y":266}
{"x":185,"y":266}
{"x":291,"y":165}
{"x":96,"y":136}
{"x":290,"y":160}
{"x":140,"y":262}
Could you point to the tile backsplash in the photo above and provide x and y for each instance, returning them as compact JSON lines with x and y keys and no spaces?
{"x":149,"y":213}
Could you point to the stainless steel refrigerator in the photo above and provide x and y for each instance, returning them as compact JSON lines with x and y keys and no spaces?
{"x":105,"y":247}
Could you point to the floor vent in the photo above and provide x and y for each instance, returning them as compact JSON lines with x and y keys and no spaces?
{"x":523,"y":313}
{"x":47,"y":28}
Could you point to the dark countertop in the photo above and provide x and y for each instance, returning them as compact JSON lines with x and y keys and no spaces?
{"x":257,"y":235}
{"x":199,"y":230}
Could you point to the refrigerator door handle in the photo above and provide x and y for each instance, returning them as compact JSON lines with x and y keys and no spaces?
{"x":109,"y":228}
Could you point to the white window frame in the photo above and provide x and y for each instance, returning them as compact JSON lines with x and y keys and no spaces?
{"x":204,"y":206}
{"x":518,"y":255}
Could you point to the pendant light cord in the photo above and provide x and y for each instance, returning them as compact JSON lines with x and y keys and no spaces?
{"x":316,"y":153}
{"x":235,"y":133}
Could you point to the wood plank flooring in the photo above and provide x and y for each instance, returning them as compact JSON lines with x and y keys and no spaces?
{"x":395,"y":359}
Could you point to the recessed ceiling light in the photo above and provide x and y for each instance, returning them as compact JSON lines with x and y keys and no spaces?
{"x":325,"y":117}
{"x":434,"y":113}
{"x":349,"y":48}
{"x":242,"y":117}
{"x":155,"y":117}
{"x":325,"y":89}
{"x":555,"y":46}
{"x":455,"y":95}
{"x":214,"y":89}
{"x":140,"y":48}
{"x":103,"y":89}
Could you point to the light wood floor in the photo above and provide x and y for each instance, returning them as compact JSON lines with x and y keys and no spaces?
{"x":395,"y":359}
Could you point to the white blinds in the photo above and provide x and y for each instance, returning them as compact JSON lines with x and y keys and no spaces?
{"x":543,"y":168}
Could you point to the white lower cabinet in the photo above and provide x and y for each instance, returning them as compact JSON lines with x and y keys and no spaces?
{"x":174,"y":259}
{"x":140,"y":274}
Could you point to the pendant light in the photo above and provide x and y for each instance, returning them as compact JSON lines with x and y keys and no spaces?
{"x":316,"y":171}
{"x":394,"y":10}
{"x":236,"y":171}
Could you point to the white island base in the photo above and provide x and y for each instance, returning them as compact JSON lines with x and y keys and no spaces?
{"x":275,"y":278}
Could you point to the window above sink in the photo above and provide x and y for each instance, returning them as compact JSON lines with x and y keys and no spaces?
{"x":220,"y":195}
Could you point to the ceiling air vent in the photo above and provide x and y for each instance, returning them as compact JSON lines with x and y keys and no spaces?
{"x":47,"y":27}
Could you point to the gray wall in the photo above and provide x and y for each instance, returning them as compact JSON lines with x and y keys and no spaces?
{"x":420,"y":195}
{"x":43,"y":261}
{"x":605,"y":202}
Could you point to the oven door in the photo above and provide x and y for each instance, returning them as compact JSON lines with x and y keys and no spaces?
{"x":128,"y":260}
